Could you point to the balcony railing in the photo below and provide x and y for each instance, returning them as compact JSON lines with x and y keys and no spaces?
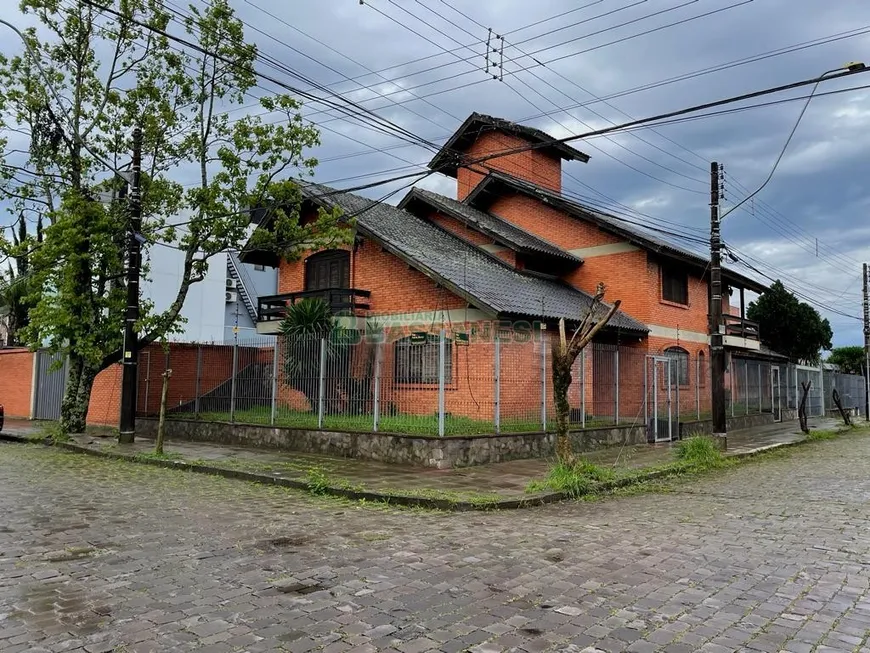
{"x":340,"y":300}
{"x":740,"y":327}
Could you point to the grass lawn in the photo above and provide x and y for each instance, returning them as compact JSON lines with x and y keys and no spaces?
{"x":410,"y":424}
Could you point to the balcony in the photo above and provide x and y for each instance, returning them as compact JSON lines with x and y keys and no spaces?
{"x":740,"y":332}
{"x":740,"y":327}
{"x":272,"y":308}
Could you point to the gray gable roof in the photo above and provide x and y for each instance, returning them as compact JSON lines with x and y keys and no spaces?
{"x":448,"y":157}
{"x":636,"y":235}
{"x":495,"y":227}
{"x":482,"y":279}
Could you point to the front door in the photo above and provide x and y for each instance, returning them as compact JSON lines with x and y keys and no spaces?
{"x":775,"y":393}
{"x":659,"y":384}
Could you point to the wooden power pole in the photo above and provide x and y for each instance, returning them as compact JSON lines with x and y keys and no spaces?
{"x":717,"y":345}
{"x":866,"y":346}
{"x":130,"y":353}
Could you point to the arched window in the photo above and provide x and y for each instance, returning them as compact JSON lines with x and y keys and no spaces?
{"x":680,"y":366}
{"x":416,"y":360}
{"x":328,"y":269}
{"x":702,"y":369}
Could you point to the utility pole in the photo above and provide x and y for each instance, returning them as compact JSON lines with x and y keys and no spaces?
{"x":717,"y":346}
{"x":866,"y":346}
{"x":130,"y":351}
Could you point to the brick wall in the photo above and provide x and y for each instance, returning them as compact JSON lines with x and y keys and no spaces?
{"x":16,"y":378}
{"x":559,"y":228}
{"x":105,"y":405}
{"x":394,"y":286}
{"x":213,"y":363}
{"x":536,"y":166}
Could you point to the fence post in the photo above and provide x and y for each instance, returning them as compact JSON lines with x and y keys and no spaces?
{"x":198,"y":382}
{"x":376,"y":409}
{"x":233,"y":381}
{"x":760,"y":393}
{"x":583,"y":388}
{"x":441,"y":373}
{"x":796,"y":395}
{"x":746,"y":381}
{"x":274,"y":383}
{"x":616,"y":383}
{"x":732,"y":372}
{"x":543,"y":381}
{"x":497,"y":380}
{"x":698,"y":388}
{"x":822,"y":387}
{"x":321,"y":383}
{"x":147,"y":382}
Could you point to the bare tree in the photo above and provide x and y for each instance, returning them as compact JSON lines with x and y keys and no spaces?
{"x":565,"y":352}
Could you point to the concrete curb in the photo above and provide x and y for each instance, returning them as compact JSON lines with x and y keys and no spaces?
{"x":394,"y":499}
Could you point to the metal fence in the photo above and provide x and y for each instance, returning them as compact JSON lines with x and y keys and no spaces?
{"x":850,"y":388}
{"x":441,"y":383}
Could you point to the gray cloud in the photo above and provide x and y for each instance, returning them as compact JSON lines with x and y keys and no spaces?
{"x":819,"y":191}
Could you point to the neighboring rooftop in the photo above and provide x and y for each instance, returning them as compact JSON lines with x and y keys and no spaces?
{"x":447,"y":159}
{"x":483,"y":280}
{"x":494,"y":184}
{"x":498,"y":229}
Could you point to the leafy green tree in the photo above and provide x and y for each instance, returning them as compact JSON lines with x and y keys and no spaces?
{"x":850,"y":360}
{"x":789,"y":326}
{"x":102,"y":74}
{"x":15,"y":296}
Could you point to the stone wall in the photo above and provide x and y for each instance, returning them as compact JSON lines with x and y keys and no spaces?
{"x":424,"y":451}
{"x":734,"y":423}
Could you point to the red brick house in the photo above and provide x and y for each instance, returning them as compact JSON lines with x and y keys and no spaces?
{"x":509,"y":247}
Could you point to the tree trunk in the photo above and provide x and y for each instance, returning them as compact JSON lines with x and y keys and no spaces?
{"x":561,"y":383}
{"x":77,"y":398}
{"x":161,"y":422}
{"x":68,"y":422}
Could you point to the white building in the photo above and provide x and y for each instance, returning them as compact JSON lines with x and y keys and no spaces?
{"x":218,"y":308}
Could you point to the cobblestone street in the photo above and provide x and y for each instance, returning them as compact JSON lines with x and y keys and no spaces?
{"x":101,"y":556}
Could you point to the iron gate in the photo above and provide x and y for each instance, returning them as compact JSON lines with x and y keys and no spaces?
{"x":51,"y":376}
{"x":659,"y":385}
{"x":776,"y":393}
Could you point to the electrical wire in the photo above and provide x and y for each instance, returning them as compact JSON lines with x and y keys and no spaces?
{"x":784,"y":147}
{"x":604,"y":152}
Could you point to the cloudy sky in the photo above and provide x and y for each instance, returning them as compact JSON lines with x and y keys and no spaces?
{"x":609,"y":49}
{"x":421,"y":64}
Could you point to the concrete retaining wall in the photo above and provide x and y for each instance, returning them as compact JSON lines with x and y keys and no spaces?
{"x":734,"y":423}
{"x":424,"y":451}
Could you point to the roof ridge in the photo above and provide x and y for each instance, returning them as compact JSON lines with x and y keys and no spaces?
{"x":559,"y":251}
{"x":614,"y":222}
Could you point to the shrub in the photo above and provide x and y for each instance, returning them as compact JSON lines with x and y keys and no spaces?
{"x":699,"y":451}
{"x":577,"y":478}
{"x":317,"y":480}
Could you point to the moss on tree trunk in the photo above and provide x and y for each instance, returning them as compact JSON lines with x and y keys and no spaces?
{"x":561,"y":383}
{"x":77,"y":397}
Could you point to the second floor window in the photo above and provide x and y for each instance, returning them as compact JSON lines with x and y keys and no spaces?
{"x":675,"y":286}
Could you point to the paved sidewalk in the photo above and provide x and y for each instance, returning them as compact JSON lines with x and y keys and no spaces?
{"x":500,"y":481}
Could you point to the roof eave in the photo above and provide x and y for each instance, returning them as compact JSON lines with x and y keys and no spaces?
{"x":427,"y":271}
{"x":411,"y":196}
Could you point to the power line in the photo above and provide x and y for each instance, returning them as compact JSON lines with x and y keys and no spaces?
{"x":535,"y":106}
{"x":573,"y":54}
{"x":382,"y":123}
{"x":789,"y":49}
